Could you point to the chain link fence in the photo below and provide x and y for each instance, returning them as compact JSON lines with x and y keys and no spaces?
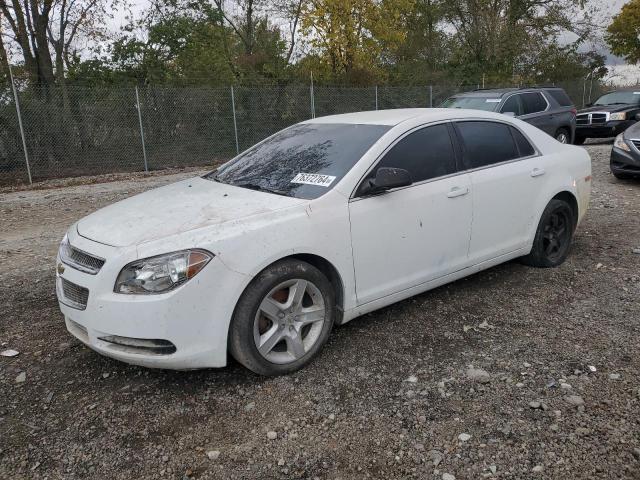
{"x":77,"y":131}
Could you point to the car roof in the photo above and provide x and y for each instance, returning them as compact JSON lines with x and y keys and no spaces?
{"x":374,"y":117}
{"x":396,"y":116}
{"x":623,"y":89}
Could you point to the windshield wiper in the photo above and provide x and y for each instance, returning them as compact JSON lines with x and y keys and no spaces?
{"x":213,"y":176}
{"x":260,"y":188}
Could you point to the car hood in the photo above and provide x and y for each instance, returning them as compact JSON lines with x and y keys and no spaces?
{"x":633,"y":131}
{"x":608,"y":108}
{"x":179,"y":207}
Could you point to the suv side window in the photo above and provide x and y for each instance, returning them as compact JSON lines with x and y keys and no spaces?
{"x":426,"y":153}
{"x":486,"y":143}
{"x":533,"y":102}
{"x":561,"y":97}
{"x":513,"y":104}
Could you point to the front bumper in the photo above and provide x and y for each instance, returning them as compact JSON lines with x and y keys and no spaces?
{"x":625,"y":162}
{"x":193,"y":318}
{"x":609,"y":129}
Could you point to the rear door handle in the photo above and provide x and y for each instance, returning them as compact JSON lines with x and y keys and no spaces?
{"x":536,"y":172}
{"x":457,"y":192}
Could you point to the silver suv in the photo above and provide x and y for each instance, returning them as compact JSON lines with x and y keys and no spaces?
{"x":549,"y":109}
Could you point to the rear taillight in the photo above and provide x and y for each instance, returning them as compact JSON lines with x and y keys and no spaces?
{"x":574,"y":111}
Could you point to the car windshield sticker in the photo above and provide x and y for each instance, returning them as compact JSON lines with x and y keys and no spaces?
{"x":314,"y":179}
{"x":493,"y":100}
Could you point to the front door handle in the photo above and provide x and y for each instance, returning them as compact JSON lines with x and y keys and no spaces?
{"x":536,"y":172}
{"x":457,"y":192}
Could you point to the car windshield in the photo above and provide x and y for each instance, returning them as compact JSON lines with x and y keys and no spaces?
{"x":618,"y":98}
{"x":474,"y":103}
{"x":302,"y":161}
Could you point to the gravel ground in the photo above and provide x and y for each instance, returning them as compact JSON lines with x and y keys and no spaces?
{"x":554,"y":390}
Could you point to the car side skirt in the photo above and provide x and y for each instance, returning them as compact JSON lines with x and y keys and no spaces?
{"x":430,"y":285}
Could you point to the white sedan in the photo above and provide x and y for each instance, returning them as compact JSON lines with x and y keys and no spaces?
{"x":316,"y":225}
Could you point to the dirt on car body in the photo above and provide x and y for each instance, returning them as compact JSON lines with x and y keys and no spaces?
{"x":512,"y":373}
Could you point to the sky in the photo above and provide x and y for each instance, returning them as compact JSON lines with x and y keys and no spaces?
{"x":615,"y":7}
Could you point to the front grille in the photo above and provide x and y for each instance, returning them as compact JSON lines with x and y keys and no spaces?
{"x":73,"y":295}
{"x":636,"y":143}
{"x":80,"y":260}
{"x":599,"y":118}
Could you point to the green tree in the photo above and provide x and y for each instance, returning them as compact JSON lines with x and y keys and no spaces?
{"x":503,"y":39}
{"x":623,"y":34}
{"x":349,"y":36}
{"x":186,"y":41}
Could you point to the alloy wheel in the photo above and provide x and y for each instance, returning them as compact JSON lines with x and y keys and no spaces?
{"x":556,"y":235}
{"x":562,"y":137}
{"x":289,"y":321}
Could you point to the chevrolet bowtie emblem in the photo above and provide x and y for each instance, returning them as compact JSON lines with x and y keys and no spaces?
{"x":60,"y":269}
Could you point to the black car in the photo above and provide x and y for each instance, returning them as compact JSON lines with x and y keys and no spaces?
{"x":609,"y":115}
{"x":625,"y":156}
{"x":549,"y":109}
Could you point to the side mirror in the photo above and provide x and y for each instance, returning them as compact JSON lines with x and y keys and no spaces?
{"x":509,"y":114}
{"x":386,"y":179}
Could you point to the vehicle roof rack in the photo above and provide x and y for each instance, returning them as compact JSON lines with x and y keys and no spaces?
{"x":515,"y":88}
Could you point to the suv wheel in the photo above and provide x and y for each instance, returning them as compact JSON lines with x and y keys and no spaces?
{"x":562,"y":135}
{"x":622,"y":176}
{"x":283,"y":318}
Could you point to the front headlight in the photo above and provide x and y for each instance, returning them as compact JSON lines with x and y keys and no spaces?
{"x":618,"y":116}
{"x":161,"y":273}
{"x":621,"y":144}
{"x":64,"y":246}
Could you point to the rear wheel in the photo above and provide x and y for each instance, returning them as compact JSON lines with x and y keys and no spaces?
{"x":283,"y":318}
{"x":562,"y":135}
{"x":579,"y":140}
{"x":553,"y":237}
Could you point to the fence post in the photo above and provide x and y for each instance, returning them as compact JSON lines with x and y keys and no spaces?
{"x":24,"y":140}
{"x":144,"y":148}
{"x":235,"y":125}
{"x":313,"y":100}
{"x":376,"y":97}
{"x":430,"y":96}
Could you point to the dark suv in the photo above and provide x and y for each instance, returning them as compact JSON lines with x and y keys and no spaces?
{"x":549,"y":109}
{"x":609,"y":115}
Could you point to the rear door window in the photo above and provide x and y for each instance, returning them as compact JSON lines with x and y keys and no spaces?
{"x":533,"y":102}
{"x":486,"y":143}
{"x":524,"y":146}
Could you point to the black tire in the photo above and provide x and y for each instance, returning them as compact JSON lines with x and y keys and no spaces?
{"x":579,"y":140}
{"x":552,"y":242}
{"x":242,"y":344}
{"x":563,"y":136}
{"x":622,"y":176}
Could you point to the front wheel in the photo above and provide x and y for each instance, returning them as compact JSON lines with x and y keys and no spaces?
{"x":553,"y":237}
{"x":283,"y":318}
